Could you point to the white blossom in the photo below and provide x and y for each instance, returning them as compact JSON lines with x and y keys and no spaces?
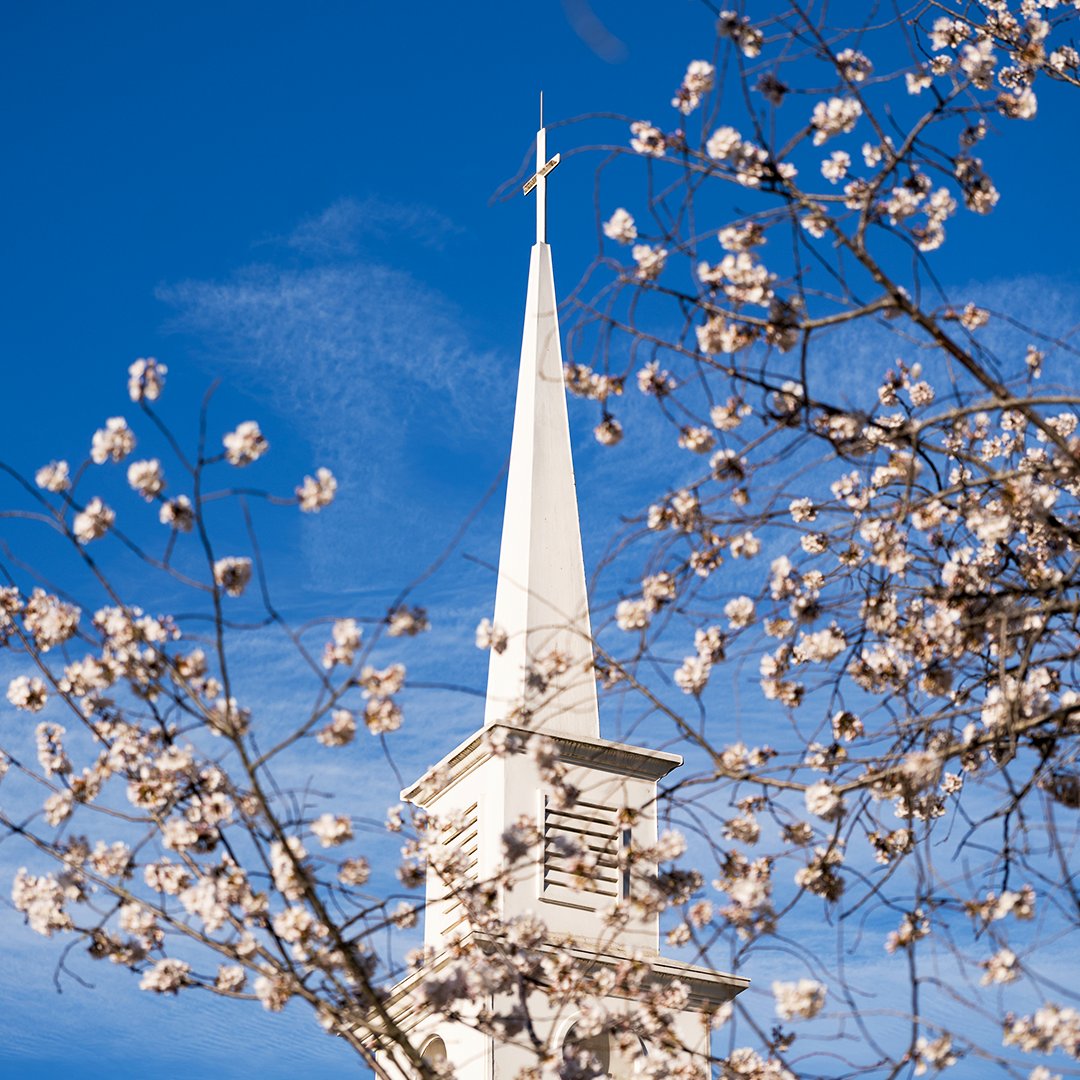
{"x":697,"y":82}
{"x":232,"y":574}
{"x":1002,"y":967}
{"x":693,"y":675}
{"x":740,"y":612}
{"x":799,"y":1000}
{"x":53,"y":477}
{"x":27,"y":692}
{"x":93,"y":522}
{"x":834,"y":168}
{"x":620,"y":227}
{"x":146,"y":478}
{"x":491,"y":636}
{"x":345,"y":635}
{"x":41,"y":900}
{"x":341,"y":729}
{"x":646,"y":139}
{"x":113,"y":442}
{"x":273,"y":991}
{"x":650,"y":261}
{"x":332,"y":829}
{"x":316,"y":491}
{"x":823,"y":801}
{"x":608,"y":432}
{"x":933,"y":1054}
{"x":245,"y":444}
{"x":834,"y":117}
{"x":177,"y":513}
{"x":146,"y":379}
{"x":165,"y":977}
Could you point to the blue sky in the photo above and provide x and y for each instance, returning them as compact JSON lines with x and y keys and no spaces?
{"x":298,"y":198}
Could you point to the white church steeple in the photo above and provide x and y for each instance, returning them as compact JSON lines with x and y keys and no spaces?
{"x":595,"y":836}
{"x":543,"y":679}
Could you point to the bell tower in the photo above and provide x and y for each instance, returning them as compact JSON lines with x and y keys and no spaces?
{"x":543,"y":823}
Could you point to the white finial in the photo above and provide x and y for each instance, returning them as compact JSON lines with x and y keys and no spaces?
{"x":538,"y":179}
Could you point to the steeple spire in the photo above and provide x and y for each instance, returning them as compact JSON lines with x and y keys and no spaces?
{"x":538,"y":180}
{"x":544,"y":677}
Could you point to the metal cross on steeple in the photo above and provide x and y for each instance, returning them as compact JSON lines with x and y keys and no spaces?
{"x":538,"y":179}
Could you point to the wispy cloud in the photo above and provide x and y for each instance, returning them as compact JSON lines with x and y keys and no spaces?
{"x":349,"y":226}
{"x":377,"y":370}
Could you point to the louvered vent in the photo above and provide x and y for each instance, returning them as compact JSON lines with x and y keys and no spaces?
{"x":461,"y":835}
{"x":581,"y":853}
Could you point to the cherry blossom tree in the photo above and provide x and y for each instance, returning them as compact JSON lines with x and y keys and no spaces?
{"x":892,"y":547}
{"x":892,"y":550}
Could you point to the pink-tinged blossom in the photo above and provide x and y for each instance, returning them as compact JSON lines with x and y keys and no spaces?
{"x":720,"y":335}
{"x":654,"y":381}
{"x":316,"y":492}
{"x":111,"y":860}
{"x":288,"y":880}
{"x":723,"y":143}
{"x":232,"y":574}
{"x":50,"y":748}
{"x":381,"y":715}
{"x":113,"y":442}
{"x":698,"y":440}
{"x":41,"y":900}
{"x":846,"y":726}
{"x":834,"y":168}
{"x":93,"y":522}
{"x":697,"y":82}
{"x":748,"y":39}
{"x":728,"y":416}
{"x":354,"y":871}
{"x":58,"y":806}
{"x":146,"y":478}
{"x":936,"y":1054}
{"x":632,"y":615}
{"x":948,"y":33}
{"x":740,"y":612}
{"x":166,"y":977}
{"x":620,"y":227}
{"x":823,"y":801}
{"x":49,"y":619}
{"x":1050,"y":1029}
{"x":646,"y":139}
{"x":1002,"y":967}
{"x":407,"y":622}
{"x":608,"y":432}
{"x":693,"y":675}
{"x":332,"y":829}
{"x":801,"y":1000}
{"x":854,"y":65}
{"x":491,"y":636}
{"x":345,"y":640}
{"x":246,"y":444}
{"x":54,"y":477}
{"x":341,"y":729}
{"x":166,"y":877}
{"x":28,"y":693}
{"x":913,"y":927}
{"x":146,"y":379}
{"x":273,"y":991}
{"x":228,"y":718}
{"x":650,"y":261}
{"x":918,"y":81}
{"x":230,"y":979}
{"x":837,"y":116}
{"x":177,"y":513}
